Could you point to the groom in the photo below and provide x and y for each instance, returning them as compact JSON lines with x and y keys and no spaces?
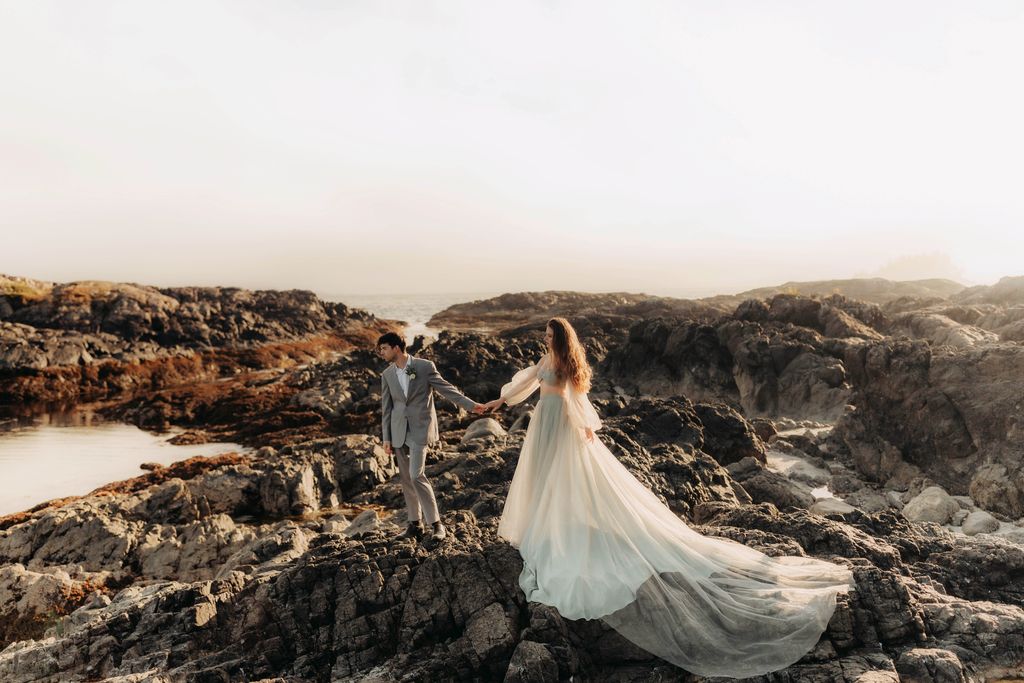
{"x":409,"y":424}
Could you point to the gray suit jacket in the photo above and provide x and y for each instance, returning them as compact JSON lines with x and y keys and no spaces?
{"x":413,"y":417}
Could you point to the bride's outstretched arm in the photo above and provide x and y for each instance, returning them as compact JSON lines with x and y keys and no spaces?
{"x":519,"y":388}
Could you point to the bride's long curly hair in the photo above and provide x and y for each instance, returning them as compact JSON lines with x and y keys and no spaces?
{"x":570,"y":358}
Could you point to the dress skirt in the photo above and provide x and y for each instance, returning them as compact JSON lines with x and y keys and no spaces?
{"x":597,"y":543}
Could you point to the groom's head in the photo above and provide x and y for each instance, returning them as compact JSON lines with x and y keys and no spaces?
{"x":390,"y":345}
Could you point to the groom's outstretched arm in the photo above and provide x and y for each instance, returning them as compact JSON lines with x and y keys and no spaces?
{"x":445,"y":388}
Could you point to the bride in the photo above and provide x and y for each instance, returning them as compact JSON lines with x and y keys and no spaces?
{"x":597,"y":543}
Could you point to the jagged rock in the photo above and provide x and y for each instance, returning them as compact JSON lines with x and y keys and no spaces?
{"x":871,"y":499}
{"x":927,"y":665}
{"x":766,"y":369}
{"x":764,"y":428}
{"x":940,"y":330}
{"x":191,"y":552}
{"x":80,"y":533}
{"x":992,"y":488}
{"x":1009,"y":290}
{"x":32,"y":599}
{"x":765,"y":486}
{"x":949,"y":412}
{"x":532,"y":663}
{"x":872,"y":289}
{"x":491,"y":637}
{"x":171,"y":501}
{"x":728,"y":437}
{"x":364,"y":522}
{"x":672,"y":357}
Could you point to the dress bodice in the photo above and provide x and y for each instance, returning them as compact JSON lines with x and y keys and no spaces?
{"x":547,"y":376}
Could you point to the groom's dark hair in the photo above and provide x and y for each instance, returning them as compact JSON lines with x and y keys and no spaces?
{"x":392,"y":339}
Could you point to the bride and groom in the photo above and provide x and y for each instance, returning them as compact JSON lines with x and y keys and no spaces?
{"x":597,"y":543}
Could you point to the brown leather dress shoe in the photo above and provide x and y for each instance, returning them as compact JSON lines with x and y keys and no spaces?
{"x":414,"y":530}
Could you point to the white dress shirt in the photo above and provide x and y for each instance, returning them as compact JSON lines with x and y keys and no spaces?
{"x":403,"y":378}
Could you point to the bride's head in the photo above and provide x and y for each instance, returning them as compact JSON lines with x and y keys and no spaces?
{"x":569,"y":357}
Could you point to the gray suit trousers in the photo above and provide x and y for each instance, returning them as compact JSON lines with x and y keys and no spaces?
{"x":419,"y":494}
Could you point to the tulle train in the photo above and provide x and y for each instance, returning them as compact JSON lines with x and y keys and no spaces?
{"x":597,"y":543}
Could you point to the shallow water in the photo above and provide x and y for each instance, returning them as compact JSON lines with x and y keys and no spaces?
{"x":59,"y":454}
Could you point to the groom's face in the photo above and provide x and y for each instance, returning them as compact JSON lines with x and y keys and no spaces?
{"x":388,"y":352}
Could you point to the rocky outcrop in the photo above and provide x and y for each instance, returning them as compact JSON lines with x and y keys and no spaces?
{"x":940,"y":330}
{"x":194,"y":317}
{"x":997,"y":309}
{"x":615,"y":309}
{"x":525,"y":308}
{"x":914,"y":393}
{"x":770,"y":359}
{"x":875,"y":290}
{"x":950,"y":413}
{"x":1008,"y":291}
{"x":89,"y":340}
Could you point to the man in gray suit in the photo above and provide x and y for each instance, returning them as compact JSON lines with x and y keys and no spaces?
{"x":409,"y":423}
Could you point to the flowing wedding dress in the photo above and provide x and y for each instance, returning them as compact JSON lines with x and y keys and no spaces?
{"x":597,"y":543}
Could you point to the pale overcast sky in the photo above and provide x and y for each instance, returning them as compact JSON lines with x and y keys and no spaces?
{"x":666,"y":147}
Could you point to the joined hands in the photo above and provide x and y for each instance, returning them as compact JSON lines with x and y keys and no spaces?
{"x":490,"y":406}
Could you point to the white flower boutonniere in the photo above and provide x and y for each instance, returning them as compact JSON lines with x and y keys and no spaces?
{"x":410,"y":372}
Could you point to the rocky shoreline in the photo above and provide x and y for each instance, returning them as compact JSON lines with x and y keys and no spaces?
{"x":886,"y":435}
{"x":80,"y":341}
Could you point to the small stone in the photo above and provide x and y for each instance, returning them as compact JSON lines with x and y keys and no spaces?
{"x":364,"y":522}
{"x":483,"y":428}
{"x":931,"y":505}
{"x":980,"y":522}
{"x":831,"y":506}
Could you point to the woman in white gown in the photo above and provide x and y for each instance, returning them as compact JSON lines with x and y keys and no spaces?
{"x":597,"y":543}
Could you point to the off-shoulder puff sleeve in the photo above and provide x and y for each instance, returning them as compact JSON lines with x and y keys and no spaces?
{"x":522,"y":384}
{"x":580,"y":411}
